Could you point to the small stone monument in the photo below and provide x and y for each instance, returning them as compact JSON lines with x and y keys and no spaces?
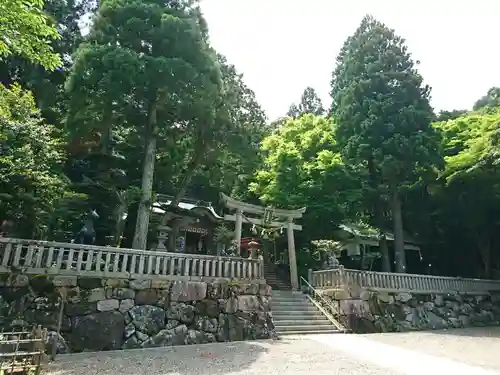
{"x":253,"y":247}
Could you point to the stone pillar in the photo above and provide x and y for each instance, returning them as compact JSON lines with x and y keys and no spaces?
{"x":294,"y":278}
{"x":237,"y":229}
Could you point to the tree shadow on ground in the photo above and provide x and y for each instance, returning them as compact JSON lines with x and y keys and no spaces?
{"x":206,"y":359}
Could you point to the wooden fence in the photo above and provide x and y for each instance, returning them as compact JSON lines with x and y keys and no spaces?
{"x":41,"y":257}
{"x":342,"y":278}
{"x":22,"y":352}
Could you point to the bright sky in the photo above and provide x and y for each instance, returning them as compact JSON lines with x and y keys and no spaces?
{"x":283,"y":46}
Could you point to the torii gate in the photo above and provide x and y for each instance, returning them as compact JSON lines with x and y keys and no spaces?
{"x":289,"y":215}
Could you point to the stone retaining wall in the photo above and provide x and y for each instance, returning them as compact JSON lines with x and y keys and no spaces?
{"x":109,"y":314}
{"x":364,"y":311}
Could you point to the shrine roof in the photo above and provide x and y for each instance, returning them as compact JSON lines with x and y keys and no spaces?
{"x":184,"y":204}
{"x":366,"y":231}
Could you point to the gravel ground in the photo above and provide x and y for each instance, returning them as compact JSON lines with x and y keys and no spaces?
{"x":290,"y":357}
{"x":474,"y":346}
{"x":457,"y":352}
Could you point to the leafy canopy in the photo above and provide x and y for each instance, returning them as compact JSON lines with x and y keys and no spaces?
{"x":302,"y":167}
{"x":25,"y":31}
{"x":381,"y":105}
{"x":472,"y":142}
{"x":30,"y":153}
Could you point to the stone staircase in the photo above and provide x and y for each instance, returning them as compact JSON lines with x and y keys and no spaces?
{"x":294,"y":313}
{"x":277,"y":282}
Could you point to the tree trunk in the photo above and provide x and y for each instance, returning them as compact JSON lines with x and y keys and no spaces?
{"x":397,"y":217}
{"x":384,"y":250}
{"x":485,"y":252}
{"x":190,"y":171}
{"x":142,"y":223}
{"x":379,"y":218}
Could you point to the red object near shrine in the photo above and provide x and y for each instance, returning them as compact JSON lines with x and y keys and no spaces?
{"x":246,"y":241}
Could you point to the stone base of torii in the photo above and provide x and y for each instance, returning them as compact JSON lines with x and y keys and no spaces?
{"x":288,"y":215}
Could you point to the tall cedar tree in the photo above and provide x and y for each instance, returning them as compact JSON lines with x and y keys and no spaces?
{"x":147,"y":64}
{"x":309,"y":103}
{"x":383,"y":115}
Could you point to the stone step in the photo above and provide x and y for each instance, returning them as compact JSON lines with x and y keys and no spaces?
{"x":290,"y":303}
{"x":287,"y":292}
{"x":301,"y":312}
{"x":279,"y":300}
{"x":299,"y":317}
{"x":311,"y":332}
{"x":302,"y":322}
{"x":297,"y":308}
{"x":305,"y":328}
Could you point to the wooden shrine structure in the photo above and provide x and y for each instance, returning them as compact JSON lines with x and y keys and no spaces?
{"x":270,"y":217}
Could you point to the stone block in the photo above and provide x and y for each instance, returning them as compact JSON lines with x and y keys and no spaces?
{"x":208,"y":307}
{"x":65,"y":281}
{"x":188,"y":291}
{"x":341,"y":295}
{"x":115,"y":283}
{"x":18,"y":281}
{"x":108,"y":305}
{"x":365,"y":295}
{"x":96,"y":294}
{"x":403,"y":297}
{"x":385,"y":297}
{"x":120,"y":293}
{"x":81,"y":308}
{"x":248,"y":303}
{"x":140,"y":284}
{"x":126,"y":305}
{"x":350,"y":307}
{"x":89,"y":282}
{"x":129,"y":330}
{"x":148,"y":319}
{"x":265,"y":290}
{"x":146,"y":297}
{"x":231,"y":305}
{"x":182,"y":312}
{"x":252,"y":289}
{"x":160,"y":284}
{"x":72,"y":294}
{"x":218,"y":289}
{"x":97,"y":332}
{"x":141,"y":336}
{"x":439,"y":300}
{"x":355,"y":291}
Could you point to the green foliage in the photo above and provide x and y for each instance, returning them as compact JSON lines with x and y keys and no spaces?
{"x":230,"y":166}
{"x":154,"y":54}
{"x":147,"y":75}
{"x":490,"y":101}
{"x":382,"y":107}
{"x":30,"y":160}
{"x":25,"y":31}
{"x":309,"y":103}
{"x":473,"y":142}
{"x":302,"y":167}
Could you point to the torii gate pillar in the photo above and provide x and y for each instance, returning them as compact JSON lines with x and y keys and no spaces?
{"x":294,"y":275}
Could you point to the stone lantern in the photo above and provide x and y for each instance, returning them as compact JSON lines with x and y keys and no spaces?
{"x":253,"y":247}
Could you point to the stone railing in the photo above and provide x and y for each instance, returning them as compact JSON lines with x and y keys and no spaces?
{"x":54,"y":258}
{"x":342,"y":278}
